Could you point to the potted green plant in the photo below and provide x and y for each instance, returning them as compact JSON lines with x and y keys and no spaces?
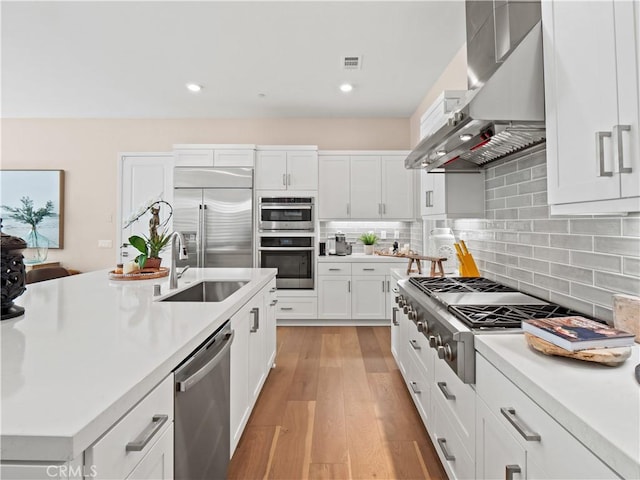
{"x":150,"y":248}
{"x":369,"y":239}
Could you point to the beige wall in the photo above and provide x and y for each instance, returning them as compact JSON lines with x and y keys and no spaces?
{"x":87,"y":150}
{"x":454,"y":77}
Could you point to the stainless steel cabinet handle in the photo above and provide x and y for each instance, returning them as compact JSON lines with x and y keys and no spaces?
{"x":255,"y":311}
{"x":286,"y":308}
{"x":274,"y":289}
{"x":288,"y":179}
{"x":368,"y":269}
{"x":445,"y":391}
{"x":383,"y":286}
{"x":384,"y":208}
{"x":349,"y":286}
{"x":414,"y":344}
{"x":394,"y":316}
{"x":414,"y":387}
{"x":273,"y":303}
{"x":335,"y":269}
{"x":379,"y":209}
{"x":600,"y":136}
{"x":443,"y":446}
{"x":157,"y":421}
{"x":388,"y":286}
{"x":429,"y":198}
{"x":510,"y":470}
{"x":617,"y":130}
{"x":528,"y":434}
{"x":284,"y":179}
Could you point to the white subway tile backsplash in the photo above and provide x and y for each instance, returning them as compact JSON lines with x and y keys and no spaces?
{"x":631,"y":266}
{"x":618,"y":283}
{"x":602,"y":313}
{"x":596,"y":226}
{"x":620,"y":245}
{"x":551,"y":283}
{"x":539,"y":185}
{"x":539,"y":239}
{"x":557,"y":255}
{"x":517,"y":177}
{"x":631,"y":227}
{"x":571,"y":242}
{"x":582,"y":275}
{"x":576,"y":261}
{"x":592,"y":294}
{"x":551,"y":226}
{"x":534,"y":212}
{"x":597,"y":261}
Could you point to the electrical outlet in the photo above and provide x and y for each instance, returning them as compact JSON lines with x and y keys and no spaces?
{"x":105,"y":243}
{"x":396,"y":234}
{"x":383,"y":234}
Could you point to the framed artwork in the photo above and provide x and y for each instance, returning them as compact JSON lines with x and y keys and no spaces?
{"x":32,"y":206}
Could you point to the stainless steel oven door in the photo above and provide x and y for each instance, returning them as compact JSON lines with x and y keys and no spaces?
{"x":293,"y":257}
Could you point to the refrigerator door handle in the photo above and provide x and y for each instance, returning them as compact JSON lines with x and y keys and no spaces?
{"x":203,"y":242}
{"x":199,"y":237}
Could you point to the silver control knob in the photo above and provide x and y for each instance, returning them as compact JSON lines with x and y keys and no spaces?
{"x":406,"y":308}
{"x":445,"y":352}
{"x":420,"y":326}
{"x":435,"y":341}
{"x":397,"y":299}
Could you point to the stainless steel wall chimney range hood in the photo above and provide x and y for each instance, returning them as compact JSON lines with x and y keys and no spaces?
{"x":503,"y":112}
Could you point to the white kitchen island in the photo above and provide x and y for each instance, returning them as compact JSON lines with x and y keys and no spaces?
{"x":89,"y":348}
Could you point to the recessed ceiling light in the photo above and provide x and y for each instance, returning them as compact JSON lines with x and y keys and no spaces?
{"x":466,"y":136}
{"x":441,"y":153}
{"x":346,"y":87}
{"x":194,"y":87}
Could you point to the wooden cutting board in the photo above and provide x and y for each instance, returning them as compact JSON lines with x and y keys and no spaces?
{"x":607,"y":356}
{"x":626,"y":314}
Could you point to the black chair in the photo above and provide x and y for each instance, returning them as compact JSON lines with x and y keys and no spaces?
{"x":47,"y":273}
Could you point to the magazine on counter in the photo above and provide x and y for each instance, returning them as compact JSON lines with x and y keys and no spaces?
{"x":577,"y":333}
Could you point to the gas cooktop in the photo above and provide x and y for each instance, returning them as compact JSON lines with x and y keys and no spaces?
{"x":431,"y":285}
{"x":506,"y":316}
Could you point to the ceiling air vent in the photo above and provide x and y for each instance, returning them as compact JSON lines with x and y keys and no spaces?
{"x":352,"y":62}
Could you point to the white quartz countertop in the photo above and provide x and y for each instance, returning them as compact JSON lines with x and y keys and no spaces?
{"x":361,"y":257}
{"x":598,"y":405}
{"x":88,"y":348}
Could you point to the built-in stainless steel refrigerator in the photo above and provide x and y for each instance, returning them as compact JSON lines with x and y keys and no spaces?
{"x":213,"y":209}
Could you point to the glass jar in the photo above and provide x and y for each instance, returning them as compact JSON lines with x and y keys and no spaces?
{"x":441,"y":242}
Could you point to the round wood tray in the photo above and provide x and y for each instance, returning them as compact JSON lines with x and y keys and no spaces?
{"x":143,"y":274}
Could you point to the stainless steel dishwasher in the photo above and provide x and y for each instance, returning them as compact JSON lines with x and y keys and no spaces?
{"x":202,"y":405}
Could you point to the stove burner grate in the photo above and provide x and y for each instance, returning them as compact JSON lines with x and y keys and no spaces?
{"x":430,"y":285}
{"x":506,"y":316}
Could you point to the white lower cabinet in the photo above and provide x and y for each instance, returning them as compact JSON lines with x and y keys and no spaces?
{"x":116,"y":454}
{"x":297,"y":308}
{"x":157,"y":464}
{"x":252,"y":352}
{"x":514,"y":431}
{"x":359,"y":291}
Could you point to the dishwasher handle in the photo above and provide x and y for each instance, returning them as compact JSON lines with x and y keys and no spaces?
{"x":187,"y":383}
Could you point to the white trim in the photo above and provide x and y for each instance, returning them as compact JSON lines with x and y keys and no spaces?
{"x":287,"y":147}
{"x":213,"y":146}
{"x":364,"y":152}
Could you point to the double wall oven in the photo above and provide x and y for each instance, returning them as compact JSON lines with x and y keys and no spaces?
{"x":287,"y":240}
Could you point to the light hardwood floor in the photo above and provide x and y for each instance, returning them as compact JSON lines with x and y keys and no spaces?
{"x":335,"y":407}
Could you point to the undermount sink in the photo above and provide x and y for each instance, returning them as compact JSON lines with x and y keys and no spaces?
{"x":206,"y":291}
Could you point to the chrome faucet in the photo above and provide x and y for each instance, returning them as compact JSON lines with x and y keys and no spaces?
{"x":178,"y":251}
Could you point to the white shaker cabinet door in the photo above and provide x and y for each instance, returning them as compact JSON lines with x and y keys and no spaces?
{"x":271,"y":170}
{"x":368,"y":299}
{"x":157,"y":464}
{"x":334,"y":297}
{"x":334,"y":187}
{"x":397,"y":188}
{"x":366,"y":187}
{"x":302,"y":170}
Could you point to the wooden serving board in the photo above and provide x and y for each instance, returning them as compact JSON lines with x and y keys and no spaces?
{"x":607,"y":356}
{"x":143,"y":274}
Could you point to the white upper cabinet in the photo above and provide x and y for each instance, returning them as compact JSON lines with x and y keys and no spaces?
{"x":365,"y":186}
{"x":287,"y":168}
{"x":452,"y":195}
{"x":197,"y":155}
{"x":591,"y":66}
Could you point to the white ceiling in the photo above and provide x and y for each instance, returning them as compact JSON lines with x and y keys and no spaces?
{"x":133,"y":59}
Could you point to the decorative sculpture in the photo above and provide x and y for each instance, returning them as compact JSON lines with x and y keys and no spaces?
{"x":13,"y":274}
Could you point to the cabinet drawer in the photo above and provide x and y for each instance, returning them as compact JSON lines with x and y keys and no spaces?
{"x":371,"y":268}
{"x":548,"y":443}
{"x":458,"y":463}
{"x":459,"y":399}
{"x":109,"y":454}
{"x":297,"y":307}
{"x":419,"y":386}
{"x":335,"y":268}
